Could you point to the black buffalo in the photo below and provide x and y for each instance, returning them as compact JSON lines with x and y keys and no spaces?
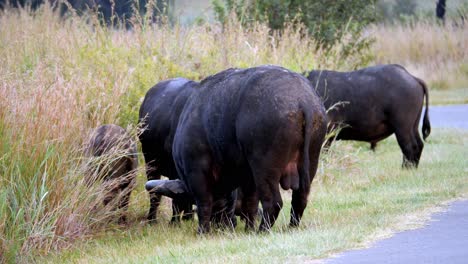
{"x":114,"y":162}
{"x":375,"y":102}
{"x":255,"y":129}
{"x":159,"y":115}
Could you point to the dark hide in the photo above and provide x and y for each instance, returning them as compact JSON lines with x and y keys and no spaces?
{"x":240,"y":209}
{"x":255,"y":129}
{"x":115,"y":162}
{"x":159,"y":115}
{"x":375,"y":102}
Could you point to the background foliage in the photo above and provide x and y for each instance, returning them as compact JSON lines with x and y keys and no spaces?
{"x":327,"y":22}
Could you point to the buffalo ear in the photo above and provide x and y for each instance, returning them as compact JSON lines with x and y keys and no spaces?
{"x":170,"y":188}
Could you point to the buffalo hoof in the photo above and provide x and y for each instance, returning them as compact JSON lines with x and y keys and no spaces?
{"x":409,"y":165}
{"x":203,"y":230}
{"x":294,"y":224}
{"x":263,"y":230}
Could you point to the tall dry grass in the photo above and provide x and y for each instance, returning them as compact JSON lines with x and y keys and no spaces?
{"x":49,"y":99}
{"x":434,"y":52}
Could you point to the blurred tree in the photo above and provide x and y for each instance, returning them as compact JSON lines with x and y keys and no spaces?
{"x":384,"y":10}
{"x":327,"y":20}
{"x":404,"y":8}
{"x":111,"y":11}
{"x":21,"y":3}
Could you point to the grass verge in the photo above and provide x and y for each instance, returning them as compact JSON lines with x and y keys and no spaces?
{"x":359,"y":197}
{"x":445,"y":97}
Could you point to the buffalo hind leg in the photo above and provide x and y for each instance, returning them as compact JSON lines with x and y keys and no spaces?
{"x":204,"y":210}
{"x":151,"y":174}
{"x":181,"y":207}
{"x":223,"y":211}
{"x":202,"y":190}
{"x":417,"y":138}
{"x":411,"y":146}
{"x":270,"y":197}
{"x":229,"y":218}
{"x":373,"y":145}
{"x":249,"y":209}
{"x":306,"y":176}
{"x":300,"y":196}
{"x":298,"y":204}
{"x":420,"y":144}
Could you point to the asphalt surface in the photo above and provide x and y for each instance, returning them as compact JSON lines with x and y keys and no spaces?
{"x":443,"y":240}
{"x":452,"y":116}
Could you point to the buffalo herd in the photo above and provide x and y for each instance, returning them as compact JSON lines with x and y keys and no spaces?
{"x":229,"y":142}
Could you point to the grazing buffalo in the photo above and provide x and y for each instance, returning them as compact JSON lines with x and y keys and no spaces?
{"x":114,"y":161}
{"x":375,"y":102}
{"x":256,"y":129}
{"x":223,"y":211}
{"x":159,"y":115}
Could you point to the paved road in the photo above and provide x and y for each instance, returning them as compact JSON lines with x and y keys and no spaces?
{"x":453,"y":116}
{"x":444,"y":240}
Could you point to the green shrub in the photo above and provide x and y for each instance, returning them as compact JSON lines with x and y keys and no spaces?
{"x":327,"y":22}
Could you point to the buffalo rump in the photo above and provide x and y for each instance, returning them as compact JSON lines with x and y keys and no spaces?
{"x":256,"y":129}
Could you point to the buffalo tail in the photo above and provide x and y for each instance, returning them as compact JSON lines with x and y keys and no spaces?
{"x":426,"y":127}
{"x":304,"y":172}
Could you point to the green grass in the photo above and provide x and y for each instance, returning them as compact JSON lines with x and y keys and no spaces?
{"x":357,"y":196}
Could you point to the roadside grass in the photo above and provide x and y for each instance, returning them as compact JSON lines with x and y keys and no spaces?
{"x":451,"y":96}
{"x":358,"y":196}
